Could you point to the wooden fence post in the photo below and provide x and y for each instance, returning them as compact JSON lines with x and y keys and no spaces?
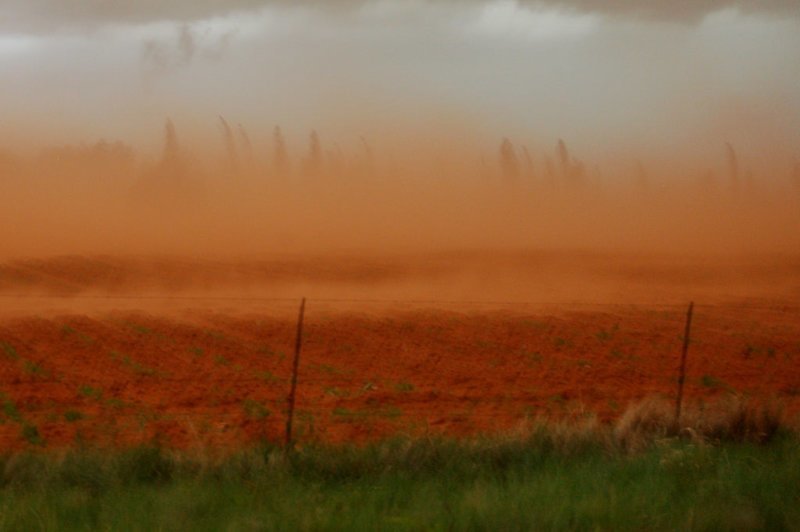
{"x":298,"y":342}
{"x":682,"y":374}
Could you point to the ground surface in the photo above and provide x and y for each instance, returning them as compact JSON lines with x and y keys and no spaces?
{"x":115,"y":350}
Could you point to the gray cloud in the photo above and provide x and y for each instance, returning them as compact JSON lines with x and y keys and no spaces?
{"x":160,"y":55}
{"x":40,"y":15}
{"x":32,"y":15}
{"x":686,"y":10}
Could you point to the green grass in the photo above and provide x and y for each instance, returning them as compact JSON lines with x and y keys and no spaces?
{"x":539,"y":482}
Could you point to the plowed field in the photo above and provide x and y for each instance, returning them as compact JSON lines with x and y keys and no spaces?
{"x":112,"y":351}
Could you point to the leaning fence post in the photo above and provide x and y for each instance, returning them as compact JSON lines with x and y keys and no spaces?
{"x":295,"y":365}
{"x":682,"y":375}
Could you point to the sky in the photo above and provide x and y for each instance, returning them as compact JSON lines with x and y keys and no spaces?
{"x":613,"y":77}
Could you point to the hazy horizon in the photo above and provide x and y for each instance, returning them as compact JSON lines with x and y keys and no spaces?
{"x":668,"y":126}
{"x":670,"y":80}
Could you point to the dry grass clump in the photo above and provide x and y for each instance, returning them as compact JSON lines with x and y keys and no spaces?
{"x":732,"y":419}
{"x":740,"y":419}
{"x":573,"y":436}
{"x":643,"y":423}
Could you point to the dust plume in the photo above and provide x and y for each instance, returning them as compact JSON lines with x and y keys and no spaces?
{"x":485,"y":139}
{"x":419,"y":192}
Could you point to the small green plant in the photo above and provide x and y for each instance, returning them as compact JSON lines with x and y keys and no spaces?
{"x":751,"y":350}
{"x":197,"y":351}
{"x":90,"y":392}
{"x":349,"y":415}
{"x":391,"y":412}
{"x":558,"y":399}
{"x":560,"y":343}
{"x":709,"y":381}
{"x":216,"y":335}
{"x":140,"y":329}
{"x":30,"y":433}
{"x":10,"y":409}
{"x":67,"y":330}
{"x":534,"y":324}
{"x":487,"y":345}
{"x":606,"y":334}
{"x":270,"y":352}
{"x":345,"y":349}
{"x":346,"y":413}
{"x":255,"y":409}
{"x":268,"y":376}
{"x":33,"y":368}
{"x":534,"y":357}
{"x":115,"y":403}
{"x":220,"y":360}
{"x":72,"y":416}
{"x":331,"y":370}
{"x":9,"y":350}
{"x":135,"y":366}
{"x":404,"y":387}
{"x":265,"y":350}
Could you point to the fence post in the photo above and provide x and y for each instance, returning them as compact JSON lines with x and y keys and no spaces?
{"x":295,"y":365}
{"x":682,"y":374}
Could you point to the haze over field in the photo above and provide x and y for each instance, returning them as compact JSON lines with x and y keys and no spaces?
{"x":496,"y":210}
{"x":679,"y":124}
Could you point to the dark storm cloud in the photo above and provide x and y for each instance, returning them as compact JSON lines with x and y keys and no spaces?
{"x":686,"y":10}
{"x":27,"y":15}
{"x":40,"y":15}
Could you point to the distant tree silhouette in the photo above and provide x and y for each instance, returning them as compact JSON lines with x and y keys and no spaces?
{"x":642,"y":178}
{"x":563,"y":158}
{"x":335,"y":160}
{"x":230,"y":145}
{"x":733,"y":166}
{"x":529,"y":168}
{"x":247,"y":146}
{"x":170,"y":160}
{"x":369,"y":158}
{"x":280,"y":154}
{"x":796,"y":174}
{"x":508,"y":159}
{"x":550,"y":169}
{"x":314,"y":161}
{"x":572,"y":169}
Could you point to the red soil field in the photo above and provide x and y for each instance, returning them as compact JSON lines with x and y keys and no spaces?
{"x":115,"y":350}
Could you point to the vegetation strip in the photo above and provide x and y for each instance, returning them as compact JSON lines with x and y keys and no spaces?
{"x":553,"y":479}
